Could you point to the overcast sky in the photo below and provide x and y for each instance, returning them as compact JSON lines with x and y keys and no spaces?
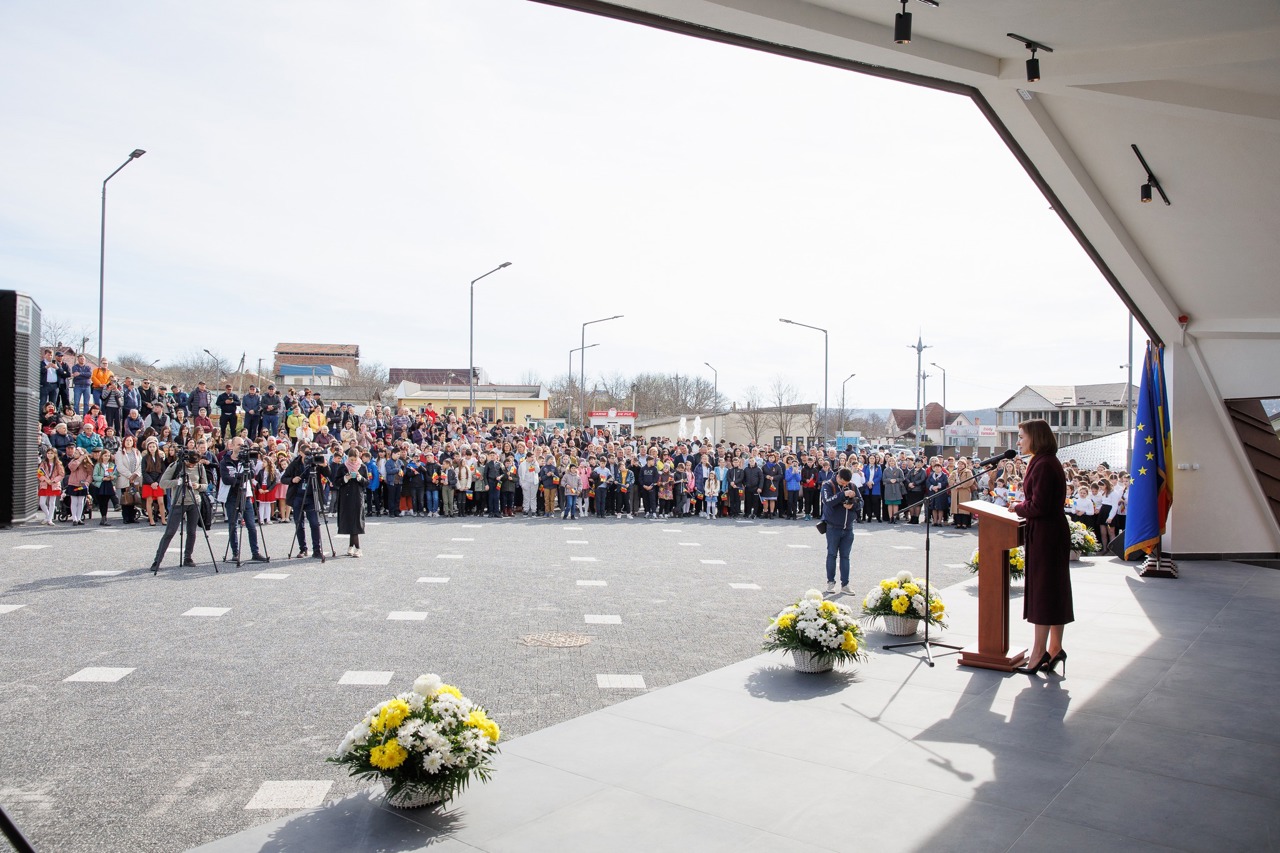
{"x":339,"y":172}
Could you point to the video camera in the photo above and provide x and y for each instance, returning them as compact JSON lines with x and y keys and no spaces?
{"x":190,"y":457}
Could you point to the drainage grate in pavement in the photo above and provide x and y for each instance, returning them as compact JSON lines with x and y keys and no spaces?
{"x":555,"y":640}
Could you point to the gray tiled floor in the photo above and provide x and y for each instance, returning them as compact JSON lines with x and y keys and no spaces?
{"x":1162,"y":737}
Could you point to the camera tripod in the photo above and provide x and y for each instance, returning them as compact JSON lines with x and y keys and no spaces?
{"x":313,"y":486}
{"x":236,"y":493}
{"x":187,"y":500}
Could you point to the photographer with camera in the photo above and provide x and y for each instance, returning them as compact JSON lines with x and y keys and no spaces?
{"x":840,"y":506}
{"x":238,"y":471}
{"x":306,"y":476}
{"x":186,"y":480}
{"x":352,"y":479}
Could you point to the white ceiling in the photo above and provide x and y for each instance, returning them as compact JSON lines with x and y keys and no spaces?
{"x":1196,"y":84}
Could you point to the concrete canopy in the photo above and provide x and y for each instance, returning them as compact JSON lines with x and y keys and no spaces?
{"x":1197,"y":87}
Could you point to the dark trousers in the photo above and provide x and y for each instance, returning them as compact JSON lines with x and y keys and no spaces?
{"x":811,"y":502}
{"x":495,"y":502}
{"x":793,"y":507}
{"x":650,"y":499}
{"x":839,"y":544}
{"x":226,"y":424}
{"x":178,"y":515}
{"x":393,"y":499}
{"x":253,"y":423}
{"x":271,"y":423}
{"x":307,"y":507}
{"x":871,"y":507}
{"x":602,"y":500}
{"x":234,"y":509}
{"x":735,"y":501}
{"x":115,"y":418}
{"x":49,"y":394}
{"x":417,"y":495}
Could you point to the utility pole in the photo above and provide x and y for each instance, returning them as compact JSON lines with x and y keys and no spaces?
{"x":919,"y":346}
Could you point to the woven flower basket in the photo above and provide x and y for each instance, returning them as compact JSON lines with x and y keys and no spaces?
{"x":1075,"y":556}
{"x":810,"y":661}
{"x":412,"y":796}
{"x":900,"y":626}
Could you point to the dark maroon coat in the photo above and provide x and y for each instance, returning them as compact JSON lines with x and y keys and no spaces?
{"x":1047,"y":598}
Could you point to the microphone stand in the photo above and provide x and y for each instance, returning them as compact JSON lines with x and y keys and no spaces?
{"x":926,"y":643}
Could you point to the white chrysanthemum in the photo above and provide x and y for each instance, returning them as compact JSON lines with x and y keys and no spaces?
{"x":904,"y":577}
{"x":896,"y":593}
{"x":432,"y":762}
{"x":813,"y":595}
{"x":427,"y":685}
{"x":345,"y":747}
{"x":917,"y":601}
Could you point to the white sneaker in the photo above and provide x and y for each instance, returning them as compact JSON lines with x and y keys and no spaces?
{"x":844,"y":590}
{"x":831,"y":586}
{"x":351,"y":551}
{"x":357,"y":552}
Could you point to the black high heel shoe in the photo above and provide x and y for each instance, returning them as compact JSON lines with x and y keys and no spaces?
{"x":1032,"y":670}
{"x":1060,"y":656}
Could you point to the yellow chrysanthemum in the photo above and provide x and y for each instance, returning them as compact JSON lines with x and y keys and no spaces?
{"x":480,"y":720}
{"x":450,"y":689}
{"x":900,"y":604}
{"x":888,"y":584}
{"x":391,"y":715}
{"x":850,"y":642}
{"x":786,"y":620}
{"x":827,"y":608}
{"x":910,"y":589}
{"x":388,"y":756}
{"x":936,"y":605}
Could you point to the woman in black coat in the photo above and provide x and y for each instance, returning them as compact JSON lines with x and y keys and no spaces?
{"x":1046,"y":600}
{"x":352,"y":480}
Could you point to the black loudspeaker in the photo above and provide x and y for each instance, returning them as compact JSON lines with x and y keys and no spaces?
{"x":19,"y":406}
{"x":1116,"y":549}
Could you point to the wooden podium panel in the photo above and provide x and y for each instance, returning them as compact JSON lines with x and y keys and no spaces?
{"x":999,"y":531}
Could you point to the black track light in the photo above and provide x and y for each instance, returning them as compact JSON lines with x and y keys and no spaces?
{"x":902,"y":26}
{"x":1151,"y":183}
{"x":1033,"y":64}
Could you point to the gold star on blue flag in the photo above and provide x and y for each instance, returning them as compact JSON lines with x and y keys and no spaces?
{"x":1151,"y":489}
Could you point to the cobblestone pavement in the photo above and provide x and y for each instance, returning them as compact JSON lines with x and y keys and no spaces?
{"x":191,"y":711}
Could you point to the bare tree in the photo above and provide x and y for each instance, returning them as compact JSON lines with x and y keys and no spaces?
{"x":530,"y":377}
{"x":369,"y":383}
{"x":57,"y":331}
{"x":752,"y":415}
{"x":783,"y":397}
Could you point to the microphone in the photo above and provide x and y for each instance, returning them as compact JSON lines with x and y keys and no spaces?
{"x":994,"y":460}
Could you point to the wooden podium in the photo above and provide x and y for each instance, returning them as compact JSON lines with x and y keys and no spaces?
{"x":999,"y":530}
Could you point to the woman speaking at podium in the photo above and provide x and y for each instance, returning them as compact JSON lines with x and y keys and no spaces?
{"x":1047,"y":598}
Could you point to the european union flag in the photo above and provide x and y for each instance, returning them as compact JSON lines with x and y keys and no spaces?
{"x":1151,"y":476}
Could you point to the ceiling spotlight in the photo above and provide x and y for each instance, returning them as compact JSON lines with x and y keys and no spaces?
{"x":1033,"y":64}
{"x":902,"y":22}
{"x":902,"y":26}
{"x":1151,"y":180}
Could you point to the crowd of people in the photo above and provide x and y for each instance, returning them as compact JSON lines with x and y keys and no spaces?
{"x":116,"y":447}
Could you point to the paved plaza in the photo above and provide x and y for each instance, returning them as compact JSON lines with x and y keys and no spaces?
{"x":159,"y":713}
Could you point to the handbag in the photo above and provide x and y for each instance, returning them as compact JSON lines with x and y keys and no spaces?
{"x":206,"y":511}
{"x":822,"y":527}
{"x":130,"y":496}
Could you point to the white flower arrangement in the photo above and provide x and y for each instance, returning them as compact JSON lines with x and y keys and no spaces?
{"x":812,"y":624}
{"x":1082,"y":539}
{"x":431,"y":738}
{"x":906,"y":596}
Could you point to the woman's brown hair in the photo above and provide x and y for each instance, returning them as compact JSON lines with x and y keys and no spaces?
{"x":1040,"y":437}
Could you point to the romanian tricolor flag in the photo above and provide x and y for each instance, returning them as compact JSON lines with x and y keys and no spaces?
{"x":1150,"y":470}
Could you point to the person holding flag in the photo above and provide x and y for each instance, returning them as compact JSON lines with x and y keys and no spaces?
{"x":1151,"y":476}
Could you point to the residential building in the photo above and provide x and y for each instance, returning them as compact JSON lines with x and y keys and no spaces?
{"x":1075,"y":412}
{"x":435,"y":375}
{"x":770,"y":425}
{"x":936,"y":421}
{"x":510,"y":403}
{"x":343,"y":356}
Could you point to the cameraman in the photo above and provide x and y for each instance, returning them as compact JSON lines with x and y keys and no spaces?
{"x":186,"y":480}
{"x":305,"y":473}
{"x":840,"y":506}
{"x":238,"y":473}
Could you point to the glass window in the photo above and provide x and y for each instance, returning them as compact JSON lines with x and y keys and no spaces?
{"x":1053,"y":419}
{"x":508,"y":413}
{"x":1087,"y":414}
{"x":1115,"y":417}
{"x":488,"y":413}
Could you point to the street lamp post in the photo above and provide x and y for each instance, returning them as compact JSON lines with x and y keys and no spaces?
{"x":217,"y":363}
{"x":715,"y":387}
{"x":582,"y":365}
{"x":102,"y":248}
{"x":448,"y":381}
{"x":471,"y":348}
{"x":842,"y":407}
{"x":944,"y":400}
{"x":919,"y":346}
{"x":825,"y":359}
{"x":568,"y":398}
